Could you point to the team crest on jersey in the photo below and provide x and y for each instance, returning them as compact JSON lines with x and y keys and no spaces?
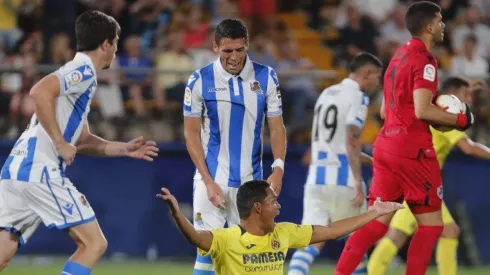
{"x":430,"y":72}
{"x":83,"y":200}
{"x":275,"y":244}
{"x":255,"y":87}
{"x":198,"y":218}
{"x":188,"y":97}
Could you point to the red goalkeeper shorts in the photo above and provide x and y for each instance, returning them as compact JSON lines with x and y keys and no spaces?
{"x":415,"y":180}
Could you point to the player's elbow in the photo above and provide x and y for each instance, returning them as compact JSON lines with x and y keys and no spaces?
{"x":420,"y":112}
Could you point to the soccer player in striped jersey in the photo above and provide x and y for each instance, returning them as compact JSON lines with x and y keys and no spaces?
{"x":225,"y":105}
{"x":33,"y":185}
{"x":403,"y":224}
{"x":334,"y":189}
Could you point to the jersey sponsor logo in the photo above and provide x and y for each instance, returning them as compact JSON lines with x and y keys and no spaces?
{"x":214,"y":90}
{"x":430,"y":72}
{"x":275,"y":244}
{"x":188,"y":97}
{"x":263,"y":258}
{"x":250,"y":246}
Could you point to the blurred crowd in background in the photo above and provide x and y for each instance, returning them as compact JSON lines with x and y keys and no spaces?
{"x":308,"y":43}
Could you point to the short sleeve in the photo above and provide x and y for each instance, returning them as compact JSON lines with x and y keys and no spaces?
{"x":455,"y":136}
{"x":299,"y":236}
{"x":274,"y":102}
{"x":425,"y":73}
{"x":218,"y":243}
{"x":358,"y":111}
{"x":75,"y":81}
{"x":193,"y":100}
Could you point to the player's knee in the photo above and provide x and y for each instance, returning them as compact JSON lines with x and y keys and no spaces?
{"x":96,"y":246}
{"x":451,"y":231}
{"x":398,"y":237}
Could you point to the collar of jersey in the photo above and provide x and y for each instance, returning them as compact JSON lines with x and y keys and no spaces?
{"x":246,"y":74}
{"x":85,"y":59}
{"x":351,"y":83}
{"x":417,"y":43}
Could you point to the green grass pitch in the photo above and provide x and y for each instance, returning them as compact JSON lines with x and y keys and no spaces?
{"x":173,"y":268}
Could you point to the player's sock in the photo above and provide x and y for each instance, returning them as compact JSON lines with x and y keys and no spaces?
{"x":203,"y":265}
{"x":361,"y":269}
{"x":73,"y":268}
{"x":357,"y":246}
{"x":421,"y":247}
{"x":382,"y":255}
{"x":302,"y":260}
{"x":446,"y":256}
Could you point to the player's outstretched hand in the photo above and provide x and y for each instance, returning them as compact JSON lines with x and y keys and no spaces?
{"x":172,"y":202}
{"x":386,"y":207}
{"x":67,"y":152}
{"x":138,"y":149}
{"x":215,"y":195}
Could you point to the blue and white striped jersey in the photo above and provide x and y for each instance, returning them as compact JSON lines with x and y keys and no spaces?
{"x":34,"y":150}
{"x":233,"y":109}
{"x":338,"y":106}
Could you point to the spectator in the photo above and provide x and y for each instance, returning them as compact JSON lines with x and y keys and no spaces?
{"x":394,"y":29}
{"x":135,"y":84}
{"x":469,"y":63}
{"x":299,"y":90}
{"x":61,"y":52}
{"x":376,"y":10}
{"x":170,"y":85}
{"x":359,"y":35}
{"x":205,"y":54}
{"x":261,"y":50}
{"x":9,"y":33}
{"x":472,"y":25}
{"x":196,"y":30}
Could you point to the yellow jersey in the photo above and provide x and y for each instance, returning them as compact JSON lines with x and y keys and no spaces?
{"x":234,"y":251}
{"x":444,"y":142}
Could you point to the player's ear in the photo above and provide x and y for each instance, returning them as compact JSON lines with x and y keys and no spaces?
{"x":257,"y":207}
{"x":215,"y":47}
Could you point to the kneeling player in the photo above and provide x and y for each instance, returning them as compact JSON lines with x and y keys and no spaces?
{"x":404,"y":224}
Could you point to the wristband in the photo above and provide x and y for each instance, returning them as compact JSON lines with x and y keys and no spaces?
{"x":462,"y":121}
{"x":278,"y":163}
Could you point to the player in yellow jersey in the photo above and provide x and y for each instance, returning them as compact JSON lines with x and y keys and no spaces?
{"x":403,"y":224}
{"x":258,"y":245}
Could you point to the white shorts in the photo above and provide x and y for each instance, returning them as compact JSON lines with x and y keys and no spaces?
{"x":55,"y":202}
{"x":206,"y":215}
{"x":324,"y":204}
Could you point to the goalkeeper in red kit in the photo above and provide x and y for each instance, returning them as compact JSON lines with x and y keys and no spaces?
{"x":404,"y":160}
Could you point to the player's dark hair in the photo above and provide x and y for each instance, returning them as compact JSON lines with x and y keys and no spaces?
{"x":92,"y":28}
{"x":363,"y":59}
{"x":248,"y":194}
{"x":420,"y":14}
{"x":454,"y":82}
{"x":232,"y":29}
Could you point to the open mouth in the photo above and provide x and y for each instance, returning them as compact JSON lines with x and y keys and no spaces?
{"x":233,"y":66}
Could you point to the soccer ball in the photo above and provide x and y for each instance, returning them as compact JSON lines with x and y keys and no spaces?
{"x":450,"y":104}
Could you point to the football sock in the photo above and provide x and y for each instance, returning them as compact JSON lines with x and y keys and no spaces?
{"x":421,"y":247}
{"x":382,"y":255}
{"x":302,"y":260}
{"x":446,"y":256}
{"x":203,"y":265}
{"x":357,"y":246}
{"x":361,"y":269}
{"x":73,"y":268}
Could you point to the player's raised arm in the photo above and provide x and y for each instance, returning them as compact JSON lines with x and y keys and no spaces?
{"x":44,"y":94}
{"x":90,"y":144}
{"x":474,"y":149}
{"x":277,"y":131}
{"x":425,"y":86}
{"x":343,"y":227}
{"x":201,"y":239}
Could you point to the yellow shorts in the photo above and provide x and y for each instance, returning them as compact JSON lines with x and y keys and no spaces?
{"x":405,"y":221}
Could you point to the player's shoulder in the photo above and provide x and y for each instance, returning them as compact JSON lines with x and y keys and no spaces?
{"x":285,"y":226}
{"x":75,"y":72}
{"x":261,"y":68}
{"x":454,"y":134}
